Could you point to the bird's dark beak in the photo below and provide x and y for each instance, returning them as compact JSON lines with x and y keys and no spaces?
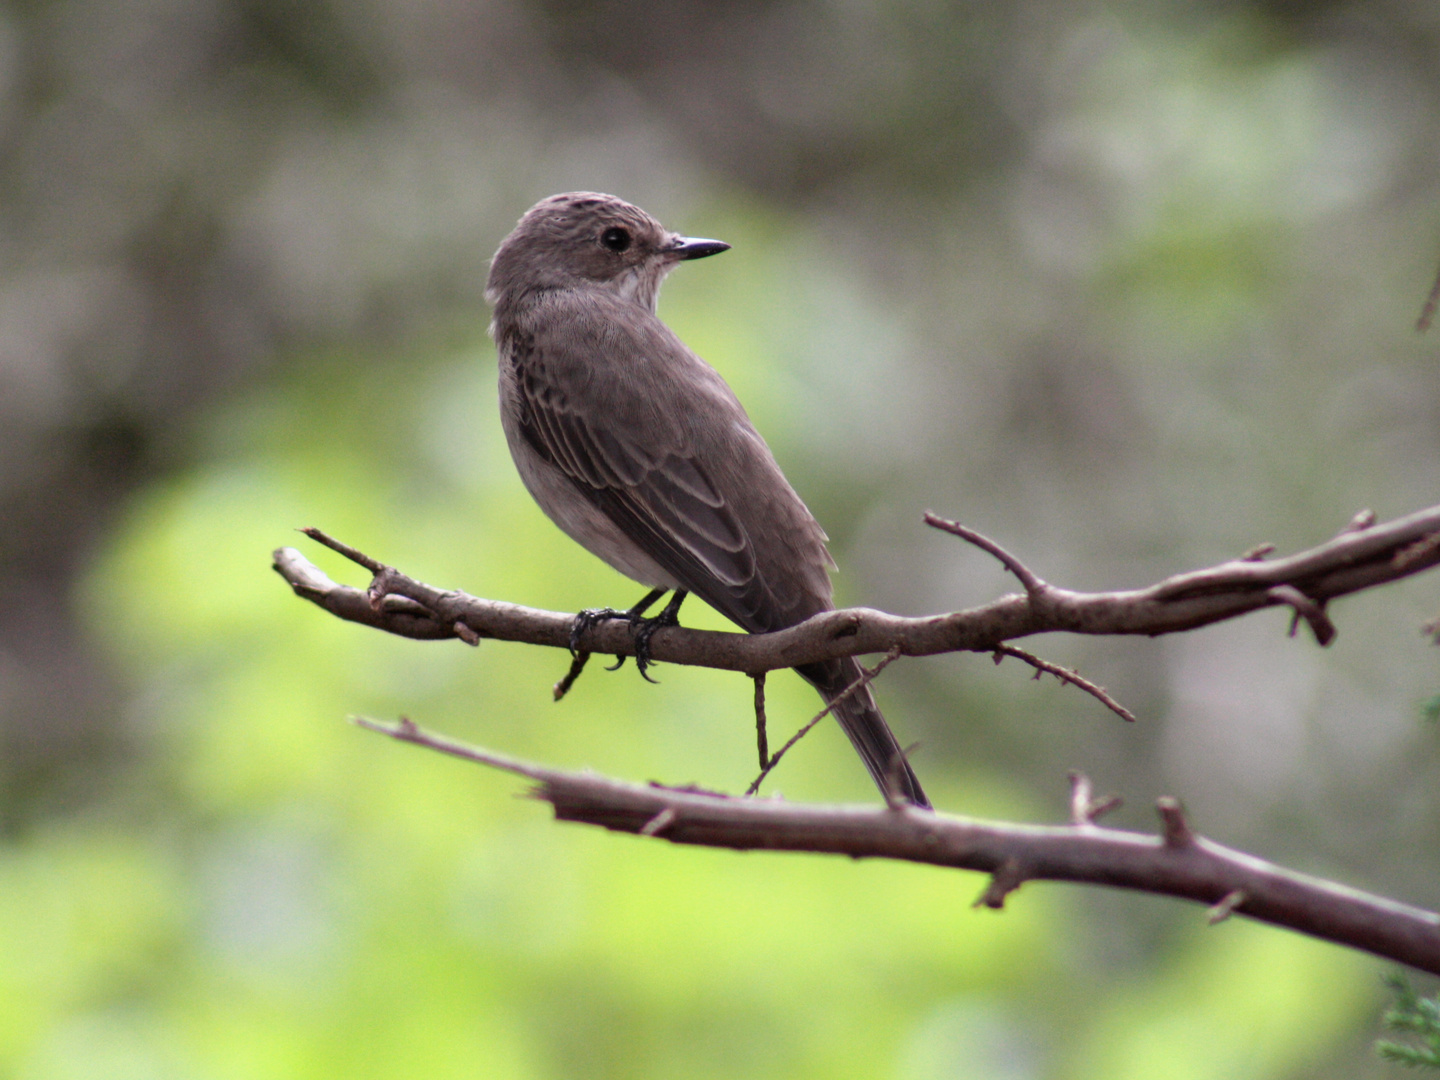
{"x":690,"y":247}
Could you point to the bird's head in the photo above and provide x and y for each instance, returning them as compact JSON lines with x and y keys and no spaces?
{"x":583,"y":238}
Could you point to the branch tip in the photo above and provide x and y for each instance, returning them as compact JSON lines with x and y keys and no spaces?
{"x":355,"y":555}
{"x":1032,"y":583}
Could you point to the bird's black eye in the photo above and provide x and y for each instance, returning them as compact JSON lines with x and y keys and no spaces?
{"x":616,"y":239}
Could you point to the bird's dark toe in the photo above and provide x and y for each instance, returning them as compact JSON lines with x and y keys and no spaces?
{"x":645,"y":629}
{"x":589,"y":619}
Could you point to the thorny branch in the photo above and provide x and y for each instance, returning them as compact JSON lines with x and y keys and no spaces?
{"x":1177,"y":863}
{"x":1362,"y":556}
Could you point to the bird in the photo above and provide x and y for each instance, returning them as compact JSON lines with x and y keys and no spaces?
{"x":639,"y":450}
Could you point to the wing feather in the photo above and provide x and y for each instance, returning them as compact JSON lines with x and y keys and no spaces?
{"x":648,"y":481}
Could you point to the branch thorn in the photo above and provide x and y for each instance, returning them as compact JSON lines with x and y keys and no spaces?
{"x":1226,"y":907}
{"x":1362,"y":520}
{"x":1175,"y":829}
{"x":1008,"y":877}
{"x":1305,"y":608}
{"x":1084,"y":809}
{"x":661,"y":821}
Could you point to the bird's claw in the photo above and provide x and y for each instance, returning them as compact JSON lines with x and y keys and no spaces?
{"x":642,"y":629}
{"x":591,"y":618}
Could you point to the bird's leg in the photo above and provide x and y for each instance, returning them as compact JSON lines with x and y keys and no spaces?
{"x":595,"y":616}
{"x":645,"y":630}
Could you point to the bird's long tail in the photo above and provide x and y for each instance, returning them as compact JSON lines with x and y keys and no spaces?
{"x":865,"y":724}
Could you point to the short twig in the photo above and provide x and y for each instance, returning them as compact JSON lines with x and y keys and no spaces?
{"x":1032,"y":583}
{"x":1175,"y":829}
{"x":577,"y":665}
{"x":1067,"y":675}
{"x":1008,"y":877}
{"x":1226,"y":907}
{"x":867,"y":676}
{"x":1084,"y":808}
{"x":1080,"y":791}
{"x":762,"y":740}
{"x":1362,"y":520}
{"x":1304,"y":608}
{"x":355,"y":555}
{"x":659,"y":823}
{"x":1103,"y":805}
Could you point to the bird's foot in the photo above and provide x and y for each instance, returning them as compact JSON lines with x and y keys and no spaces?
{"x":592,"y":617}
{"x":642,"y":628}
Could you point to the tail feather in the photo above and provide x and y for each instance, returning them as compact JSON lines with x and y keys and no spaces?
{"x":863,"y":722}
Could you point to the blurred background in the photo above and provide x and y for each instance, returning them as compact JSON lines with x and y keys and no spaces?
{"x":1130,"y":288}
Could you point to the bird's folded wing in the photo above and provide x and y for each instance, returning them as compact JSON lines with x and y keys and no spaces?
{"x":646,"y":479}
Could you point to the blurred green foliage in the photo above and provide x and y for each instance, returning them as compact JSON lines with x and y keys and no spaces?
{"x":1129,"y":289}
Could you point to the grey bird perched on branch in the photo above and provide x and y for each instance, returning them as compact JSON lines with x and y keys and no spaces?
{"x":639,"y":450}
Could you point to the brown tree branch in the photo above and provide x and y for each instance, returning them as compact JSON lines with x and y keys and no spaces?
{"x":1360,"y":557}
{"x":1177,"y":863}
